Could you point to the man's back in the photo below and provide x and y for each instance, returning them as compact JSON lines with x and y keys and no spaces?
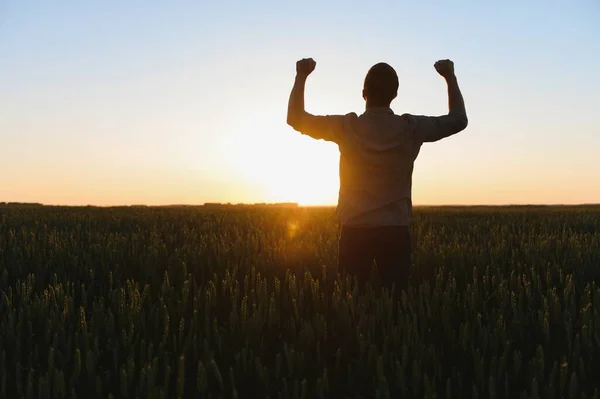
{"x":377,"y":154}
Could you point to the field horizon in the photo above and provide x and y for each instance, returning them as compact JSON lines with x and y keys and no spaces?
{"x":297,"y":205}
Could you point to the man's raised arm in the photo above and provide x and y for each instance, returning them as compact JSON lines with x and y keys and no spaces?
{"x":328,"y":127}
{"x":434,"y":128}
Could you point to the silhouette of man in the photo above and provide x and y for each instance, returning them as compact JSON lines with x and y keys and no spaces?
{"x":377,"y":154}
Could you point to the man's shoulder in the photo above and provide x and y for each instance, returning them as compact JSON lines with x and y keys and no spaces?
{"x":407,"y":117}
{"x":350,"y":118}
{"x":390,"y":114}
{"x":341,"y":116}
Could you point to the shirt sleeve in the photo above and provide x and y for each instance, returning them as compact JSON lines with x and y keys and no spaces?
{"x":323,"y":127}
{"x":427,"y":129}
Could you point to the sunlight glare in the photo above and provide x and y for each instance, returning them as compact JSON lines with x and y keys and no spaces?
{"x":292,"y":229}
{"x":291,"y":167}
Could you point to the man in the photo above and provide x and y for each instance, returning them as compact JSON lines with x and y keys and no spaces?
{"x":377,"y":154}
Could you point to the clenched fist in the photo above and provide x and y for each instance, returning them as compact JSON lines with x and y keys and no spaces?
{"x":305,"y":66}
{"x":445,"y":68}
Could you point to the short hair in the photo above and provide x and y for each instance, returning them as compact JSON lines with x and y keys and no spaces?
{"x":381,"y":84}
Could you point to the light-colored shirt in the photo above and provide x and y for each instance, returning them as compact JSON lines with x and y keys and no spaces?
{"x":377,"y":154}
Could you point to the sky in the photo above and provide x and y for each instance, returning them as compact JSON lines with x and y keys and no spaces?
{"x":174,"y":102}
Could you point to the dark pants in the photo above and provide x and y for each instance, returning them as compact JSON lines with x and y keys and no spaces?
{"x":389,"y":246}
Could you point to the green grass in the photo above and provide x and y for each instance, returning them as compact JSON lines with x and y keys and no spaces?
{"x":246,"y":302}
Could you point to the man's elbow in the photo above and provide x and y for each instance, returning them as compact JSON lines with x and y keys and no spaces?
{"x":294,"y":121}
{"x":459,"y":122}
{"x":462,"y":123}
{"x":291,"y":121}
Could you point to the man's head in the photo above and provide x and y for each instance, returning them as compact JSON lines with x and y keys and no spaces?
{"x":381,"y":85}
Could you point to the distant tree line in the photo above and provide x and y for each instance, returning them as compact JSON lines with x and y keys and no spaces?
{"x":260,"y":204}
{"x":21,"y":204}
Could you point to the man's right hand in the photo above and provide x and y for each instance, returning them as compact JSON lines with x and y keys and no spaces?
{"x":445,"y":68}
{"x":305,"y":66}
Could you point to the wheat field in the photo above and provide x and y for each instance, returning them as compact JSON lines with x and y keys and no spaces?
{"x":246,"y":302}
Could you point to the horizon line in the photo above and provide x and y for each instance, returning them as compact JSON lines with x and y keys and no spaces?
{"x":288,"y":204}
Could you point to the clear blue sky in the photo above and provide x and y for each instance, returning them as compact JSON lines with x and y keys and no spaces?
{"x":120,"y":102}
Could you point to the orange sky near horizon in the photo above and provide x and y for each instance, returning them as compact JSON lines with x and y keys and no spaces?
{"x":106,"y":103}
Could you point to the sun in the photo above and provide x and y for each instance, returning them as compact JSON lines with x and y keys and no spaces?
{"x":289,"y":167}
{"x":306,"y":186}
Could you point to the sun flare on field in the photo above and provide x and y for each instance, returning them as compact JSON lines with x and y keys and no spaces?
{"x":289,"y":167}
